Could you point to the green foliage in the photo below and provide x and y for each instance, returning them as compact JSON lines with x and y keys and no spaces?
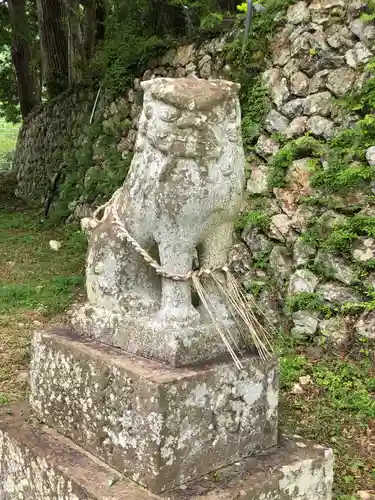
{"x":255,"y":106}
{"x":292,"y":367}
{"x":336,"y":409}
{"x":340,"y":236}
{"x":293,"y":150}
{"x":8,"y":138}
{"x":51,"y":297}
{"x":4,"y":399}
{"x":256,"y":287}
{"x":304,"y":301}
{"x":253,"y":218}
{"x":123,"y":54}
{"x":346,"y":385}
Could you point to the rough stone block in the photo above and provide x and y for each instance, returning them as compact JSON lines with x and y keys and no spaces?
{"x":159,"y":425}
{"x":175,"y":344}
{"x":37,"y":463}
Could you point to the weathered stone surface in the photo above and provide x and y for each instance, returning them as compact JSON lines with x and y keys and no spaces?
{"x":363,"y":30}
{"x":297,"y":127}
{"x":319,"y":81}
{"x":327,"y":221}
{"x":291,"y":67}
{"x":277,"y":85}
{"x":281,"y":228}
{"x":320,"y":127}
{"x":365,"y":326}
{"x":299,"y":84}
{"x":258,"y":182}
{"x":340,"y":81}
{"x":293,"y":108}
{"x":303,"y":280}
{"x":302,"y":253}
{"x":184,"y":55}
{"x":300,"y":471}
{"x":364,"y":249}
{"x":358,"y":55}
{"x":281,"y":263}
{"x":256,"y":241}
{"x":320,"y":5}
{"x":239,"y":260}
{"x":336,"y":266}
{"x":298,"y":186}
{"x":39,"y":464}
{"x":266,"y":146}
{"x":302,"y":217}
{"x":338,"y":294}
{"x":370,"y":155}
{"x":276,"y":122}
{"x":335,"y":331}
{"x":339,"y":37}
{"x":305,"y":323}
{"x":298,"y":13}
{"x":159,"y":426}
{"x":318,"y":104}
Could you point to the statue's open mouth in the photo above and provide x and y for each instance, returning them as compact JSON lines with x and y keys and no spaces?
{"x":187,"y":146}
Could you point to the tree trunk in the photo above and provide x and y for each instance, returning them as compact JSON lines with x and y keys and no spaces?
{"x":54,"y":46}
{"x":90,"y":27}
{"x":76,"y":56}
{"x":21,"y":56}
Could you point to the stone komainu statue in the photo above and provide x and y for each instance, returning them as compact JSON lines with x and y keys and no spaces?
{"x":180,"y":199}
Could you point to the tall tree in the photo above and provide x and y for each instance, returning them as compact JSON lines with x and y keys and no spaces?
{"x":21,"y":57}
{"x":73,"y":26}
{"x":54,"y":46}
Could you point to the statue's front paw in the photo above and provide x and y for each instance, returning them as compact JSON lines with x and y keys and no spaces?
{"x":183,"y":316}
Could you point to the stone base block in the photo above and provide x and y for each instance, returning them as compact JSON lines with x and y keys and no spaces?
{"x":160,"y":426}
{"x":36,"y":463}
{"x":175,"y":344}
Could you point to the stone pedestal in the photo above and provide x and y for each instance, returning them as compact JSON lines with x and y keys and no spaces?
{"x":158,"y":425}
{"x":37,"y":463}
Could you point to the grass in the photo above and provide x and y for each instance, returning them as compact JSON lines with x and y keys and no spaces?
{"x":336,"y":409}
{"x":8,"y":138}
{"x":36,"y":284}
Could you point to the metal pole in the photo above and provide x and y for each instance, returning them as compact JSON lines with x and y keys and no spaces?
{"x":249,"y":18}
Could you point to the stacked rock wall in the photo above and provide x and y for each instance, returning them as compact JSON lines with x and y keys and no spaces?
{"x":318,"y":57}
{"x":296,"y":268}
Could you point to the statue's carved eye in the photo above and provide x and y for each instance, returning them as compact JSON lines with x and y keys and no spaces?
{"x":149,"y":112}
{"x":170,"y":115}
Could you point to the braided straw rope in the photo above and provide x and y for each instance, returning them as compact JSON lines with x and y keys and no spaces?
{"x":141,"y":251}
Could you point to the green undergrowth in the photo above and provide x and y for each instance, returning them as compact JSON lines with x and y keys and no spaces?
{"x":253,"y":218}
{"x":32,"y":275}
{"x":336,"y":409}
{"x":8,"y":138}
{"x":342,"y":234}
